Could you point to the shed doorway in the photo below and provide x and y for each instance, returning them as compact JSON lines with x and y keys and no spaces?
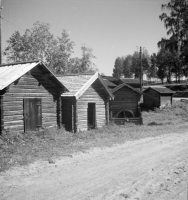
{"x":91,"y":115}
{"x":32,"y":114}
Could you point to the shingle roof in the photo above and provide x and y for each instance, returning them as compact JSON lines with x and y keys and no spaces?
{"x":74,"y":83}
{"x":78,"y":84}
{"x":161,"y":90}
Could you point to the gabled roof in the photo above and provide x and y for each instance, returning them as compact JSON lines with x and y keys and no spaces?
{"x":79,"y":83}
{"x":161,"y":90}
{"x":123,"y":85}
{"x":109,"y":83}
{"x":11,"y":72}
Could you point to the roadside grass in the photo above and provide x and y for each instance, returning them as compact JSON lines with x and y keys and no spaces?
{"x":20,"y":149}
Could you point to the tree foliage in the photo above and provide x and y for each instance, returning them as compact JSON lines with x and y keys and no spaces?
{"x":118,"y":67}
{"x":127,"y":64}
{"x":176,"y":24}
{"x":38,"y":43}
{"x":136,"y":62}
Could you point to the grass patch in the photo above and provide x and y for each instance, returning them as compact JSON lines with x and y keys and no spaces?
{"x":21,"y":149}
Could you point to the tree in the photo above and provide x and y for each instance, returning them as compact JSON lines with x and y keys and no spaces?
{"x":127,"y":72}
{"x":39,"y":44}
{"x":118,"y":67}
{"x":176,"y":24}
{"x":152,"y":70}
{"x":86,"y":61}
{"x":60,"y":53}
{"x":136,"y":63}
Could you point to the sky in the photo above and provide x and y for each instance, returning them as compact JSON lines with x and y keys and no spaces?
{"x":112,"y":28}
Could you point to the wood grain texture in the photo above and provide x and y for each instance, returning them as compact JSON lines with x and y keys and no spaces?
{"x":125,"y":98}
{"x":30,"y":85}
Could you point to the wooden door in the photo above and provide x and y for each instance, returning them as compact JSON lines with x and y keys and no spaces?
{"x":32,"y":114}
{"x":91,"y":115}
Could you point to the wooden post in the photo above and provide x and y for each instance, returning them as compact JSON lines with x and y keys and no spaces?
{"x":1,"y":115}
{"x":141,"y":75}
{"x":75,"y":116}
{"x":59,"y":111}
{"x":107,"y":111}
{"x":0,"y":34}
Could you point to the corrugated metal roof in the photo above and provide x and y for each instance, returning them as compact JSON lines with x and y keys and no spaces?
{"x":9,"y":73}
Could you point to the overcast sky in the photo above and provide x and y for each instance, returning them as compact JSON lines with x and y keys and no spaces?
{"x":111,"y":28}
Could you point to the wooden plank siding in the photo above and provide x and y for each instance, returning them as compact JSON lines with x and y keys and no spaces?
{"x":30,"y":85}
{"x":1,"y":114}
{"x":151,"y":99}
{"x":94,"y":94}
{"x":75,"y":111}
{"x":125,"y":98}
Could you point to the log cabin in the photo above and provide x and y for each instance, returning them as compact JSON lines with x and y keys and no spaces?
{"x":125,"y":106}
{"x":157,"y":96}
{"x":86,"y":105}
{"x":29,"y":97}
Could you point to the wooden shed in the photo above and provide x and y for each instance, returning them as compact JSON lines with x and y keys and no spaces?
{"x":125,"y":106}
{"x":86,"y":106}
{"x":157,"y":96}
{"x":29,"y":97}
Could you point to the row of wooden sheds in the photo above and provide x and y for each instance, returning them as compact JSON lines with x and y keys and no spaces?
{"x":32,"y":97}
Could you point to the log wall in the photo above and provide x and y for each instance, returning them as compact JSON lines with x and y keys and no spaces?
{"x":125,"y":98}
{"x":94,"y":94}
{"x":30,"y":85}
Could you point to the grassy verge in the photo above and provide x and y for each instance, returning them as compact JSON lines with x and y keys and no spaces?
{"x":21,"y":149}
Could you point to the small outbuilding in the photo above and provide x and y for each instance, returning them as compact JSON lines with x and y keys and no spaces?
{"x":86,"y":105}
{"x":157,"y":96}
{"x":125,"y":106}
{"x":29,"y":97}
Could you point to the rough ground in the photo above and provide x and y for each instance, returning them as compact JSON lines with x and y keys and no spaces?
{"x":151,"y":168}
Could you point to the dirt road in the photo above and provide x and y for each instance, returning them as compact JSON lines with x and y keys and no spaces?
{"x":152,"y":168}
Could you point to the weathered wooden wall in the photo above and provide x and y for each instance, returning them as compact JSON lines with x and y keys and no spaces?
{"x":1,"y":113}
{"x":151,"y":99}
{"x":94,"y":94}
{"x":31,"y":85}
{"x":125,"y":98}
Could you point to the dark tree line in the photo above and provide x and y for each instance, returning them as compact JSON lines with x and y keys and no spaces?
{"x":129,"y":66}
{"x":39,"y":43}
{"x":172,"y":58}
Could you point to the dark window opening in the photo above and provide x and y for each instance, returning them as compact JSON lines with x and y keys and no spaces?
{"x":91,"y":115}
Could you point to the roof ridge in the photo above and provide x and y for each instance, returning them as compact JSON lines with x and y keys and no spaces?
{"x":17,"y":63}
